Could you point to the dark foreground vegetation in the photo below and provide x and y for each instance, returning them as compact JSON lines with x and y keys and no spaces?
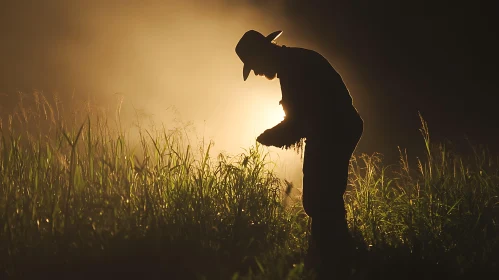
{"x":81,"y":198}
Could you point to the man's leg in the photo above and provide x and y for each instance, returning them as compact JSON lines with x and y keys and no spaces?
{"x":325,"y":180}
{"x":330,"y":245}
{"x":333,"y":241}
{"x":334,"y":235}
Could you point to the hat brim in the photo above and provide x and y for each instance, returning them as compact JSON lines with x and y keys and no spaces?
{"x":246,"y":71}
{"x":274,"y":35}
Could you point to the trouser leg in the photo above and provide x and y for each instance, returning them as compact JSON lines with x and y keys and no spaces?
{"x":330,"y":245}
{"x":333,"y":244}
{"x":330,"y":251}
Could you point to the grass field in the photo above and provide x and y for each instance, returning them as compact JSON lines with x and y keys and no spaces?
{"x":81,"y":199}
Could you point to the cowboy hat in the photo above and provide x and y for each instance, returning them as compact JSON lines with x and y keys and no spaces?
{"x":250,"y":44}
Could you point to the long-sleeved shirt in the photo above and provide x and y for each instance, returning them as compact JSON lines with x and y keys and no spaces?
{"x":314,"y":96}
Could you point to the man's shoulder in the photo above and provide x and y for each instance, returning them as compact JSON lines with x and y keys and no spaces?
{"x":306,"y":57}
{"x":302,"y":52}
{"x":302,"y":60}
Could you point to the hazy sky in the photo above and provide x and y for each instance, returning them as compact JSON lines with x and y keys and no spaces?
{"x":396,"y":59}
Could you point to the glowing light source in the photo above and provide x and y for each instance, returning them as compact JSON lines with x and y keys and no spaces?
{"x":272,"y":116}
{"x":265,"y":114}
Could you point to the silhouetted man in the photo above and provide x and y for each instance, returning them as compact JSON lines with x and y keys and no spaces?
{"x":318,"y":108}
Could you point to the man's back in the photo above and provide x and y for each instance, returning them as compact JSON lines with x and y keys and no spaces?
{"x":312,"y":90}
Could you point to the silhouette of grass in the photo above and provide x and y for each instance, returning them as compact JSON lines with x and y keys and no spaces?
{"x":80,"y":199}
{"x":443,"y":213}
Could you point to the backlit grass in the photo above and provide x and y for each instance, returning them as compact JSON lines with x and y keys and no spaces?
{"x":83,"y":197}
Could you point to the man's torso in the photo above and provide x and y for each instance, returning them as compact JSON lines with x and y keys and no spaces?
{"x":313,"y":93}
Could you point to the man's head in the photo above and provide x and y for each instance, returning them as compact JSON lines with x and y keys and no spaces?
{"x":257,"y":52}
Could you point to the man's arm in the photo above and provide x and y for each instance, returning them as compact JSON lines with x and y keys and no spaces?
{"x":284,"y":134}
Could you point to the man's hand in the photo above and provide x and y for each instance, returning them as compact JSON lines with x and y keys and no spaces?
{"x":283,"y":134}
{"x":267,"y":138}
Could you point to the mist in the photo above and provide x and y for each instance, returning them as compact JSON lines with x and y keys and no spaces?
{"x":165,"y":61}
